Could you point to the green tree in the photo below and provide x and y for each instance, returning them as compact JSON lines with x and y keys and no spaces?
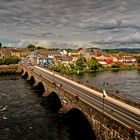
{"x":1,"y":61}
{"x":115,"y":66}
{"x":9,"y":60}
{"x":39,"y":48}
{"x":138,"y":59}
{"x":31,"y":47}
{"x":53,"y":49}
{"x":59,"y":68}
{"x":93,"y":64}
{"x":0,"y":45}
{"x":80,"y":63}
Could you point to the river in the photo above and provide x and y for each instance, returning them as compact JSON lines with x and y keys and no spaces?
{"x":24,"y":117}
{"x":21,"y":115}
{"x":122,"y":83}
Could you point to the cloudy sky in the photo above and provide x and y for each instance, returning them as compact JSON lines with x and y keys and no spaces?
{"x":103,"y":23}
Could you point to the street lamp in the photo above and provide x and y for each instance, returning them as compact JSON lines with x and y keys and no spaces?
{"x":104,"y":93}
{"x":53,"y":76}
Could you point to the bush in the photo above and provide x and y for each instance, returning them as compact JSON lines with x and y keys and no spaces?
{"x":9,"y":60}
{"x":138,"y":59}
{"x":115,"y":66}
{"x":93,"y":64}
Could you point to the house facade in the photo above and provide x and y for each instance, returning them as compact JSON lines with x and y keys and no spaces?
{"x":5,"y":52}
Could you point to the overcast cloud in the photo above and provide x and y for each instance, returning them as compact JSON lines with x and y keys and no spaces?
{"x":108,"y":23}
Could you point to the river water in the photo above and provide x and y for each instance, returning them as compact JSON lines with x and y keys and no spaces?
{"x":122,"y":83}
{"x":21,"y":115}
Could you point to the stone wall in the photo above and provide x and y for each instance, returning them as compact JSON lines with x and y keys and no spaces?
{"x":10,"y":69}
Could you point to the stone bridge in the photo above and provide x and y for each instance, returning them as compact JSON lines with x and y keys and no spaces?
{"x":104,"y":127}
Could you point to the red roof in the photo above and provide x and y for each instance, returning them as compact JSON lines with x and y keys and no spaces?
{"x":108,"y":61}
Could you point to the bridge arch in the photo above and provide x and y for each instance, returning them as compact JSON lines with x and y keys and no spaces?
{"x":22,"y":71}
{"x":25,"y":75}
{"x":32,"y":80}
{"x":78,"y":126}
{"x":39,"y":88}
{"x":51,"y":102}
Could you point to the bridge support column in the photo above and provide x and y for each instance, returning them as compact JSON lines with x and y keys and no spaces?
{"x":35,"y":84}
{"x":23,"y":73}
{"x":28,"y":78}
{"x":46,"y":93}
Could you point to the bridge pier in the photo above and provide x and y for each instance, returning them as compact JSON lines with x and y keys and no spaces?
{"x":35,"y":84}
{"x":23,"y":73}
{"x":28,"y":78}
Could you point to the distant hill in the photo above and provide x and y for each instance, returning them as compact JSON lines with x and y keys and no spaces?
{"x":133,"y":50}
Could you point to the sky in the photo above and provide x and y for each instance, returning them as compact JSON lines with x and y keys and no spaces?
{"x":70,"y":23}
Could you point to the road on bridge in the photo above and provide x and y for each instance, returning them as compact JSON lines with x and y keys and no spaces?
{"x":122,"y":112}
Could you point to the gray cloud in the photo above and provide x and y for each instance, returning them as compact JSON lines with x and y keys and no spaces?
{"x":132,"y":40}
{"x":90,"y":20}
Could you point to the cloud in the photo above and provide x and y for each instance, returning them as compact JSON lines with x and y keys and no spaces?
{"x":132,"y":39}
{"x":90,"y":20}
{"x":65,"y":44}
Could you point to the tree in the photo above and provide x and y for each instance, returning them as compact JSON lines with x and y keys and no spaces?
{"x":9,"y":60}
{"x":115,"y":65}
{"x":80,"y":63}
{"x":0,"y":45}
{"x":1,"y":61}
{"x":59,"y":68}
{"x":31,"y":47}
{"x":39,"y":48}
{"x":138,"y":59}
{"x":93,"y":64}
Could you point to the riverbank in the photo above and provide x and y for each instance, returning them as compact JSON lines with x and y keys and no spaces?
{"x":10,"y":69}
{"x":93,"y":67}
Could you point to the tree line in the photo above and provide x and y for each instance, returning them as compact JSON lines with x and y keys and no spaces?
{"x":9,"y":60}
{"x":91,"y":65}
